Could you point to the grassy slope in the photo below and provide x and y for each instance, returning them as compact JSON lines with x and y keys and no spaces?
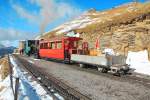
{"x":125,"y":18}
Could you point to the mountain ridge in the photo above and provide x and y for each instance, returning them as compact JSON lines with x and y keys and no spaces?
{"x":123,"y":26}
{"x":6,"y":50}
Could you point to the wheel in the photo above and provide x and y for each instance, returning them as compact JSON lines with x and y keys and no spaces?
{"x":82,"y":65}
{"x":120,"y":73}
{"x":104,"y":70}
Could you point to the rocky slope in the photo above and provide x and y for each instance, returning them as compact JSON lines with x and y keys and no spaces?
{"x":123,"y":28}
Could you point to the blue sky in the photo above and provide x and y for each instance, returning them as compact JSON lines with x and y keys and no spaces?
{"x":25,"y":19}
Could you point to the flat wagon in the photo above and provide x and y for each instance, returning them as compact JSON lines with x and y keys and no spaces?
{"x":104,"y":63}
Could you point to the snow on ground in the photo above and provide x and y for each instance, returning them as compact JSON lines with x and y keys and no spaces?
{"x":30,"y":61}
{"x":0,"y":74}
{"x":139,"y":61}
{"x":6,"y":92}
{"x":35,"y":59}
{"x":29,"y":89}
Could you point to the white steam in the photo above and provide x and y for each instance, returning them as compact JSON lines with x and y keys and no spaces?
{"x":50,"y":11}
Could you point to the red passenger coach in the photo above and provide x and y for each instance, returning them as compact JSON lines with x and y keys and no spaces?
{"x":59,"y":49}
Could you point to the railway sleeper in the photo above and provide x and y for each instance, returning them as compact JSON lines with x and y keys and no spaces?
{"x":67,"y":95}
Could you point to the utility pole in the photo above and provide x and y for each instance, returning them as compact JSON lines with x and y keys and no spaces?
{"x":16,"y":89}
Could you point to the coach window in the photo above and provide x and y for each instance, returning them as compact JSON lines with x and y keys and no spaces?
{"x":75,"y":45}
{"x":49,"y":45}
{"x":45,"y":45}
{"x":66,"y":42}
{"x":52,"y":45}
{"x":71,"y":44}
{"x":59,"y":45}
{"x":41,"y":46}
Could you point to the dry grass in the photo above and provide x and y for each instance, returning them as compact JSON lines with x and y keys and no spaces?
{"x":1,"y":88}
{"x":4,"y":71}
{"x":124,"y":18}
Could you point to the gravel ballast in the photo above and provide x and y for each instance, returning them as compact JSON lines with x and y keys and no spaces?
{"x":97,"y":87}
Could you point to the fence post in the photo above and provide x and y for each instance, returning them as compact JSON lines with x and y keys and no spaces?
{"x":16,"y":89}
{"x":10,"y":72}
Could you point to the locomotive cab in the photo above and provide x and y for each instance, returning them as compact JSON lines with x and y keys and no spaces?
{"x":31,"y":47}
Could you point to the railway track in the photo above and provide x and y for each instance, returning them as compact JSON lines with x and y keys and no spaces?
{"x":50,"y":83}
{"x":125,"y":78}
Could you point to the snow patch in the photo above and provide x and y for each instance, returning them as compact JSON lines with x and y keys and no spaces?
{"x":75,"y":24}
{"x":130,"y":9}
{"x":109,"y":51}
{"x":6,"y":93}
{"x":117,"y":14}
{"x":30,"y":61}
{"x":36,"y":59}
{"x":139,"y":61}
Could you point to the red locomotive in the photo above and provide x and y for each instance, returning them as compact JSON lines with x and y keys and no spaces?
{"x":59,"y":48}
